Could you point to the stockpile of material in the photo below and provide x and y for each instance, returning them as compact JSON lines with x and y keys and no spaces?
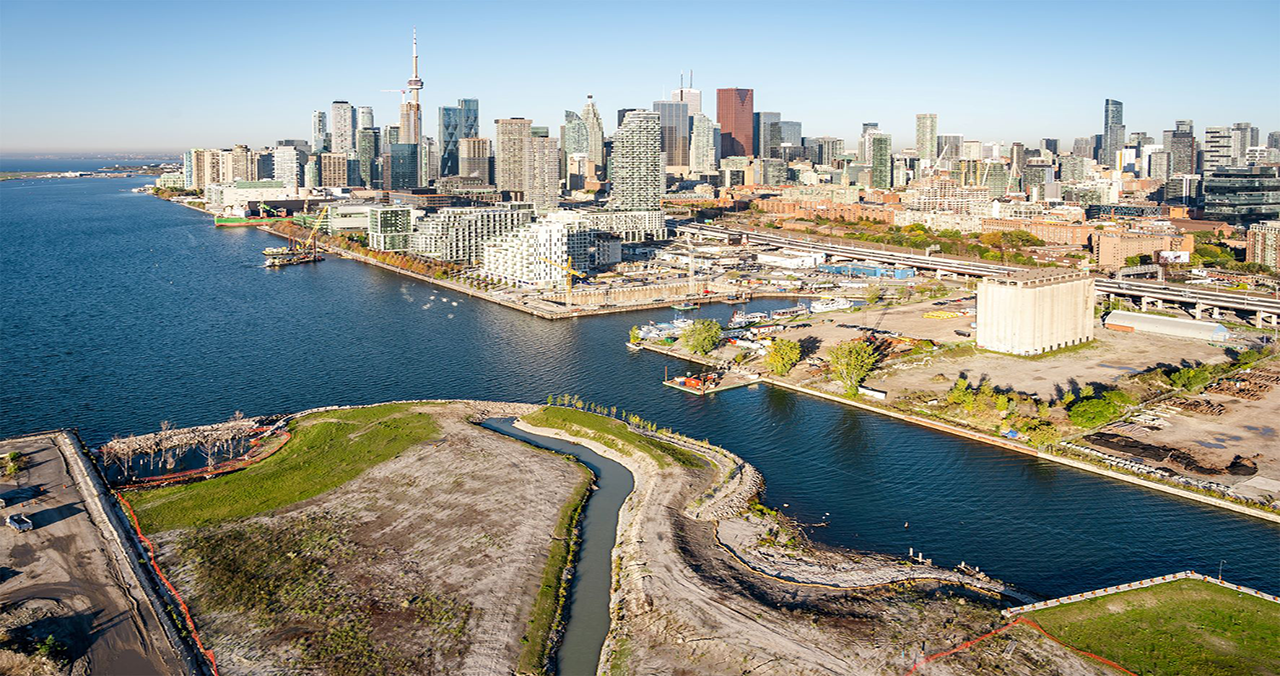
{"x":1198,"y":406}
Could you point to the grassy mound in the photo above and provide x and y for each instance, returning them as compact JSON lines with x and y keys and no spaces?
{"x":612,"y":433}
{"x":327,"y":450}
{"x":1181,"y":627}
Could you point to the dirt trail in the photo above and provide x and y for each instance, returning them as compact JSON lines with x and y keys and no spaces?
{"x":66,"y":582}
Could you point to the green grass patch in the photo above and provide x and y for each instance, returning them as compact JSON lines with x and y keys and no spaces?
{"x":613,"y":433}
{"x":1181,"y":627}
{"x":327,"y":450}
{"x":1062,"y":351}
{"x":548,"y":605}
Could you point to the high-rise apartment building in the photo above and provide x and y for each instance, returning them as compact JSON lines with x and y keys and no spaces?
{"x":864,"y":141}
{"x":1082,"y":147}
{"x":509,"y":153}
{"x":1263,"y":244}
{"x":949,"y":146}
{"x":881,"y":160}
{"x":1049,"y":145}
{"x":734,"y":113}
{"x":636,"y":166}
{"x":1243,"y":137}
{"x":1181,"y":146}
{"x":403,"y":170}
{"x":428,"y":160}
{"x":333,"y":170}
{"x":595,"y":133}
{"x":927,"y":138}
{"x":1112,"y":132}
{"x":288,"y":166}
{"x":622,"y":114}
{"x":367,"y":151}
{"x":343,"y":119}
{"x":1217,"y":148}
{"x":542,"y":172}
{"x":673,"y":117}
{"x":475,"y":158}
{"x":703,"y":157}
{"x":319,"y":131}
{"x":768,"y":134}
{"x":1273,"y":140}
{"x":237,"y":164}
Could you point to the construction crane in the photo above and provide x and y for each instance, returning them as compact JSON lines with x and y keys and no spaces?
{"x":311,"y":239}
{"x":569,"y":274}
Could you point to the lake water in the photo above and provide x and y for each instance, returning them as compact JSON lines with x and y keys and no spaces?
{"x":120,"y":311}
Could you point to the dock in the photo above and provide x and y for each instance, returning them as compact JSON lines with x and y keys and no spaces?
{"x":701,"y":385}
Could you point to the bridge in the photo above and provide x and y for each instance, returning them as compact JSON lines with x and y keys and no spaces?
{"x":1195,"y":301}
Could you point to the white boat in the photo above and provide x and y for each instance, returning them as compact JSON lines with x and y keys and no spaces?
{"x":830,"y":304}
{"x":633,"y":347}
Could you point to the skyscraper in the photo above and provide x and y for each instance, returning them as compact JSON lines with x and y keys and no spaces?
{"x":318,"y":131}
{"x":881,"y":160}
{"x":948,"y":148}
{"x":673,"y":118}
{"x":475,"y":158}
{"x":509,"y":153}
{"x":451,"y":134}
{"x":636,"y":167}
{"x":1112,"y":133}
{"x":364,"y":117}
{"x":403,"y":172}
{"x":573,"y":134}
{"x":1049,"y":145}
{"x":542,"y":172}
{"x":702,"y":145}
{"x":343,"y":119}
{"x":622,"y":114}
{"x":1243,"y":135}
{"x":1217,"y":148}
{"x":864,"y":141}
{"x":690,"y":96}
{"x":595,"y":133}
{"x":367,"y":151}
{"x":470,"y":117}
{"x":734,"y":108}
{"x":768,"y":134}
{"x":927,"y":138}
{"x":792,"y":133}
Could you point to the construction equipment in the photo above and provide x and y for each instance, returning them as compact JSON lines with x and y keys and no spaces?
{"x":311,"y":239}
{"x":570,"y":273}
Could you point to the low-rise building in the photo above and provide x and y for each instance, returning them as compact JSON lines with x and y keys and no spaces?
{"x":1111,"y":248}
{"x":243,"y":196}
{"x":1176,"y":327}
{"x":1035,"y":311}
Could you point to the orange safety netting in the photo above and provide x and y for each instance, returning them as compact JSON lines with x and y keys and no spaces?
{"x":998,"y":630}
{"x":191,"y":625}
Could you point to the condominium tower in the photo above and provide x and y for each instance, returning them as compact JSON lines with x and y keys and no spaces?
{"x":343,"y":119}
{"x":927,"y":137}
{"x":636,"y":167}
{"x":509,"y":153}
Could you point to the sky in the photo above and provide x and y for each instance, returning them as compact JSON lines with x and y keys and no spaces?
{"x":163,"y":76}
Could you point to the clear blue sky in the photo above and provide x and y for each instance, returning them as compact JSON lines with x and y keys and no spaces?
{"x":161,"y":76}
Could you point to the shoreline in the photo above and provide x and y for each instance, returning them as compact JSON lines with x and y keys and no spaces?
{"x":991,"y":440}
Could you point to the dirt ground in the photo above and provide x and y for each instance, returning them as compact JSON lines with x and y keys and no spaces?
{"x":685,"y":606}
{"x":58,"y":579}
{"x":1248,"y":428}
{"x":1107,"y":361}
{"x":469,"y":517}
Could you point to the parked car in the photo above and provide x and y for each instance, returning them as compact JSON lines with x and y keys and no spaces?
{"x":960,"y":332}
{"x":18,"y":522}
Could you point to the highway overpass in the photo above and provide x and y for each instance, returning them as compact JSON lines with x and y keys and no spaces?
{"x":1196,"y":301}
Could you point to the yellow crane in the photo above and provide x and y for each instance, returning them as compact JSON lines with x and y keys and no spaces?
{"x":311,"y":239}
{"x":569,"y":274}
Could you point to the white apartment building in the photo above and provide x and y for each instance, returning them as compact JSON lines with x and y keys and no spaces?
{"x":542,"y":172}
{"x":459,"y":233}
{"x":631,"y":226}
{"x":529,"y":257}
{"x":636,"y":168}
{"x":389,"y":228}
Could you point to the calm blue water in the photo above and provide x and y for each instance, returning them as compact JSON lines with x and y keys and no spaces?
{"x":119,"y":311}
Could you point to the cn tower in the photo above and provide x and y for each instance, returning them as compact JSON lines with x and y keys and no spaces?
{"x":411,"y":110}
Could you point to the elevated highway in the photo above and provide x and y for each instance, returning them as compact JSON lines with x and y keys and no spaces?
{"x":1196,"y":301}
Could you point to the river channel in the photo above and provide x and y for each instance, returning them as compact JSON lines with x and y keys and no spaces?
{"x":120,"y":310}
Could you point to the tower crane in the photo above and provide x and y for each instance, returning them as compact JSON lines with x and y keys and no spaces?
{"x":569,"y":274}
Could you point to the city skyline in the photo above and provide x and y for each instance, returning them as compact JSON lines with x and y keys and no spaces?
{"x":198,"y":106}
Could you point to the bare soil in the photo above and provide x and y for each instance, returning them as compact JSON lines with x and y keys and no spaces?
{"x":684,"y":605}
{"x":464,"y":522}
